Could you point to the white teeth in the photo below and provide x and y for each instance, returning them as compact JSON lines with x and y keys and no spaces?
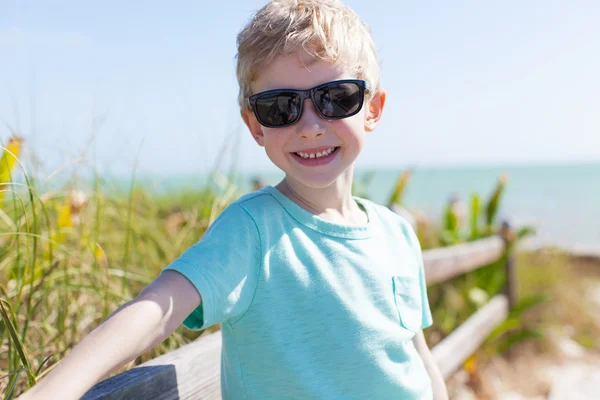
{"x":318,"y":155}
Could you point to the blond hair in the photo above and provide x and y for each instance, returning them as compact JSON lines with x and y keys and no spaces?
{"x":326,"y":29}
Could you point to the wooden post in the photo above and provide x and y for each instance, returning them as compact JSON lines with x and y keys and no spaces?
{"x":511,"y":279}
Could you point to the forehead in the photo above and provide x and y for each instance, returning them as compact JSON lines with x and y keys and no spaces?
{"x":298,"y":70}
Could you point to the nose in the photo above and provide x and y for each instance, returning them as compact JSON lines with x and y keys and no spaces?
{"x":311,"y":124}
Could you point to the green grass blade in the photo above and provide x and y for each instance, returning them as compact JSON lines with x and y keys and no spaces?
{"x":37,"y":373}
{"x":14,"y":377}
{"x":16,"y":340}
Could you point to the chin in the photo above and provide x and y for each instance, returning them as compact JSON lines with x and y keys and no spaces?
{"x":315,"y":182}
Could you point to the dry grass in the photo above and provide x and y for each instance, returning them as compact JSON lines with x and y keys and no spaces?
{"x":73,"y":259}
{"x":568,"y":281}
{"x":569,"y":316}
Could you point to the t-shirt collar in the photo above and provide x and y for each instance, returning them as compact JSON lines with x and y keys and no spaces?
{"x":320,"y":224}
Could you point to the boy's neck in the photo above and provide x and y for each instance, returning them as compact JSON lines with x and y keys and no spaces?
{"x":333,"y":203}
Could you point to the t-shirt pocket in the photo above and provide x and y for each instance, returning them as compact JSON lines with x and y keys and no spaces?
{"x":408,"y":302}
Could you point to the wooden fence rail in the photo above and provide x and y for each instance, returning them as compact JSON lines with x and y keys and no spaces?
{"x":193,"y":371}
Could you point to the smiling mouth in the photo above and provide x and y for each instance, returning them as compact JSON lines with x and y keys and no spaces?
{"x":322,"y":154}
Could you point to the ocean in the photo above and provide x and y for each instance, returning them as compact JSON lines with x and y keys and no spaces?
{"x":561,"y":201}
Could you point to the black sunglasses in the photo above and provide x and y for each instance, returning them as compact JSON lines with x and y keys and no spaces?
{"x":333,"y":100}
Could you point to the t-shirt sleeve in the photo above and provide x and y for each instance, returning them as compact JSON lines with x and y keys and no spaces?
{"x":223,"y":266}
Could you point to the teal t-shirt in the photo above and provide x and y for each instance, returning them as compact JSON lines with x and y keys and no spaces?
{"x":311,"y":309}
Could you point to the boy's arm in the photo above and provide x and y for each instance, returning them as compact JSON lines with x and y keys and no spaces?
{"x":133,"y":328}
{"x":440,"y":392}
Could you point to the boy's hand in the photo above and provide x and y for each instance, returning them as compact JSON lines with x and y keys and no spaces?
{"x":133,"y":328}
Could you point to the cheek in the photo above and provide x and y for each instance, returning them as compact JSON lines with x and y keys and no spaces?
{"x":352,"y":130}
{"x":274,"y":141}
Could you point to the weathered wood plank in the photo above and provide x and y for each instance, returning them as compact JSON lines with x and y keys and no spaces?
{"x":451,"y":352}
{"x":447,"y":262}
{"x":190,"y":372}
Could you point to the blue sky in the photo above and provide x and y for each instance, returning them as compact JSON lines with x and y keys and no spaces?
{"x":468,"y":82}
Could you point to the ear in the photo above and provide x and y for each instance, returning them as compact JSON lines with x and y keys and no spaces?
{"x":254,"y":126}
{"x":375,"y":110}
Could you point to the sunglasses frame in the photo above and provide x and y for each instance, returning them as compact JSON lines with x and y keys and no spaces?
{"x":363,"y":87}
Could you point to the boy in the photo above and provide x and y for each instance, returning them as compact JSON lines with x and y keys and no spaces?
{"x":321,"y":295}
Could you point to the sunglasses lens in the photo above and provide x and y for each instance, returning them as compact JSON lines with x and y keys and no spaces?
{"x":278,"y":109}
{"x":339,"y":100}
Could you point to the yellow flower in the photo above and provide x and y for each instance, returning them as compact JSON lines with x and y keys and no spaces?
{"x":470,"y":364}
{"x":64,"y":217}
{"x":68,"y":215}
{"x":8,"y":161}
{"x":100,"y":255}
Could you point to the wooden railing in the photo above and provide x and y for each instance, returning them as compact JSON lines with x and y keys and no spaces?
{"x":192,"y":371}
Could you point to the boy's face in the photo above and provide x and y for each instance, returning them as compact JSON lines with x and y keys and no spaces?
{"x":311,"y":132}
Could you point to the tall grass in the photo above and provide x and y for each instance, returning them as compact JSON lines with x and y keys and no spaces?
{"x":69,"y":259}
